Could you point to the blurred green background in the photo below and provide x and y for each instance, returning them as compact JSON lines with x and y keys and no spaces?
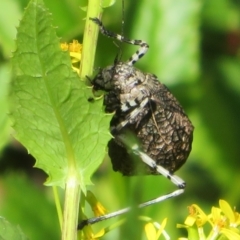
{"x":195,"y":51}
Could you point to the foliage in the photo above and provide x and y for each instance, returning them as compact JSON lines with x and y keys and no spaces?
{"x":194,"y":50}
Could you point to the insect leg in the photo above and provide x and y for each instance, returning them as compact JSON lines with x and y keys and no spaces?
{"x":133,"y":117}
{"x":137,"y":55}
{"x":132,"y":145}
{"x":85,"y":222}
{"x":150,"y":162}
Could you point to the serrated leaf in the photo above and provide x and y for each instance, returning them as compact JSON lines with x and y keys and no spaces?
{"x":52,"y":116}
{"x":9,"y":232}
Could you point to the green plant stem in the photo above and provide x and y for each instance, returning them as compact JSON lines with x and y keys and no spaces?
{"x":58,"y":205}
{"x":72,"y":190}
{"x":71,"y":206}
{"x":90,"y":38}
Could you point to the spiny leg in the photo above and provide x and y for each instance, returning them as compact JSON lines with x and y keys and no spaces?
{"x":137,"y":55}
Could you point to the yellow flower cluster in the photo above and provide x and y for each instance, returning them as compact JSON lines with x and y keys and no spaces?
{"x":75,"y":51}
{"x":224,"y":222}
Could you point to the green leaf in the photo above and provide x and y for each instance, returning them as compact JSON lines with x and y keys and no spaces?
{"x":9,"y":17}
{"x":27,"y":204}
{"x":52,"y":116}
{"x":4,"y":121}
{"x":9,"y":232}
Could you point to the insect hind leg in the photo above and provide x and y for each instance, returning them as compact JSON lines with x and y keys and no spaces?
{"x":135,"y":149}
{"x":137,"y":55}
{"x":149,"y":161}
{"x":130,"y":142}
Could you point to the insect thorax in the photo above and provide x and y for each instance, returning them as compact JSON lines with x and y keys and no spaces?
{"x":117,"y":77}
{"x":125,"y":83}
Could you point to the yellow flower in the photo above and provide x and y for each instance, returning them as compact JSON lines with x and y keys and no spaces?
{"x":97,"y":208}
{"x":232,"y":215}
{"x":196,"y":215}
{"x":152,"y":232}
{"x":224,"y":221}
{"x":75,"y":46}
{"x":88,"y":233}
{"x":64,"y":46}
{"x":75,"y":51}
{"x":194,"y":223}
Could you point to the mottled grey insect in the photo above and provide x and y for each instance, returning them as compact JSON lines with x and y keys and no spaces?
{"x":146,"y":109}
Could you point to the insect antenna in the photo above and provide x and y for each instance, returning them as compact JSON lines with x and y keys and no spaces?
{"x":143,"y":46}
